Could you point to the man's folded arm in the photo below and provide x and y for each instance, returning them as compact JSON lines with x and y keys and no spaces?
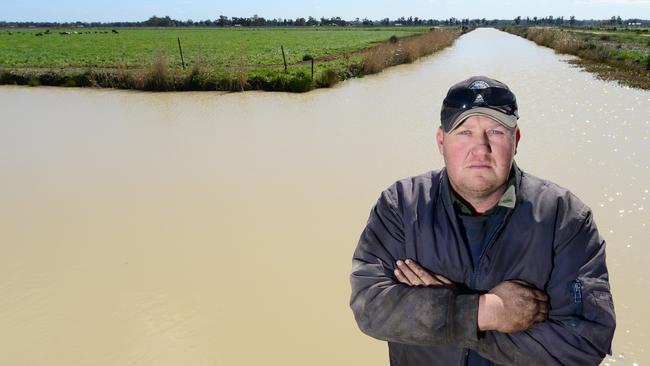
{"x":388,"y":310}
{"x":581,"y":322}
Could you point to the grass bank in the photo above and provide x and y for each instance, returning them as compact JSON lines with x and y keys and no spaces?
{"x":611,"y":54}
{"x":213,"y":59}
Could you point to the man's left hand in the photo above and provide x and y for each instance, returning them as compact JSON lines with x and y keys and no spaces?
{"x":410,"y":273}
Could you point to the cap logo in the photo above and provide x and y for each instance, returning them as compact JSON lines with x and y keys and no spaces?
{"x":478,"y":84}
{"x":479,"y":99}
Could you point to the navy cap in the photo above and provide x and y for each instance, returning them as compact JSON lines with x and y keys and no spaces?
{"x":479,"y":96}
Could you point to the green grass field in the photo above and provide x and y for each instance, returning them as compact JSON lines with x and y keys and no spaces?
{"x":136,"y":47}
{"x":625,"y":44}
{"x":215,"y":58}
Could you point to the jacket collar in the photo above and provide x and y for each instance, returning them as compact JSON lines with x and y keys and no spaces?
{"x":446,"y":191}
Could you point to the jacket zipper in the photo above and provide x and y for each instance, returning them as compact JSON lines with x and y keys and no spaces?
{"x":463,"y":356}
{"x":577,"y":292}
{"x":494,"y":237}
{"x":474,"y":278}
{"x":577,"y":299}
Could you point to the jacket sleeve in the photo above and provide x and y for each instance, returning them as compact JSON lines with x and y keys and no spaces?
{"x":581,"y":322}
{"x":388,"y":310}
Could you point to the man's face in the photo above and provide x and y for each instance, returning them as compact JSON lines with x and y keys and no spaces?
{"x":478,"y":155}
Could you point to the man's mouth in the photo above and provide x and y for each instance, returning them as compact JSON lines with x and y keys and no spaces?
{"x":480,"y":166}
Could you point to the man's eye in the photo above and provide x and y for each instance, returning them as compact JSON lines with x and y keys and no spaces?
{"x":464,"y":132}
{"x":495,"y":132}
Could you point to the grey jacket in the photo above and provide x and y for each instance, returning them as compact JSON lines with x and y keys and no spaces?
{"x":549,"y":240}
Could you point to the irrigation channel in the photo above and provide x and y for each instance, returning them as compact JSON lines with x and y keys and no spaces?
{"x":217,"y":229}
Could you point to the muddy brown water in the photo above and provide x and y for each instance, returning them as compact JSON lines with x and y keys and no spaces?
{"x":217,"y":229}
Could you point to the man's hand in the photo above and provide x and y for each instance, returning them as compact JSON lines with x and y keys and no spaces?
{"x":512,"y":306}
{"x":409,"y":272}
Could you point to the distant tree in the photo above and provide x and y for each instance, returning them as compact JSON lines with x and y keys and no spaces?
{"x":572,"y":21}
{"x":339,"y":21}
{"x":257,"y":21}
{"x":517,"y":20}
{"x":155,"y":21}
{"x":222,"y":21}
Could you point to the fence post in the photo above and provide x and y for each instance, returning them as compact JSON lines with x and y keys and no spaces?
{"x":284,"y":58}
{"x":181,"y":51}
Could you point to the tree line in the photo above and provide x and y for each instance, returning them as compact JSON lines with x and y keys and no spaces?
{"x":573,"y":22}
{"x":257,"y":21}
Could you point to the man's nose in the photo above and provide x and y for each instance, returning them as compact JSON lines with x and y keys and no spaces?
{"x":481,"y":144}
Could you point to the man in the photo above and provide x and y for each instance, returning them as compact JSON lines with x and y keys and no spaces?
{"x":480,"y":263}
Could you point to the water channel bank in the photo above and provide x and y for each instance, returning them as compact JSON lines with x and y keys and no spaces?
{"x":626,"y":61}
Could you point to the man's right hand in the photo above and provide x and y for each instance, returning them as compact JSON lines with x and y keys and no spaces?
{"x":512,"y":306}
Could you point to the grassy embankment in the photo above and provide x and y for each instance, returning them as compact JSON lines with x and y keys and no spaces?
{"x":230,"y":59}
{"x":610,"y":53}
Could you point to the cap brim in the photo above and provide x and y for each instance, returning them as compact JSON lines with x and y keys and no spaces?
{"x":508,"y":121}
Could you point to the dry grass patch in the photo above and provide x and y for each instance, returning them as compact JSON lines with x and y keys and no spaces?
{"x":407,"y":49}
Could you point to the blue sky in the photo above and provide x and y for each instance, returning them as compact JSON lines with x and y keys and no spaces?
{"x":133,"y":10}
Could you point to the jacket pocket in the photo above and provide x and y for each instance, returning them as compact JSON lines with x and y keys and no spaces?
{"x":596,"y":300}
{"x":595,"y":309}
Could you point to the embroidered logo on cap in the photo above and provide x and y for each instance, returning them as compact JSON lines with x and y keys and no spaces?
{"x":478,"y":84}
{"x":479,"y":99}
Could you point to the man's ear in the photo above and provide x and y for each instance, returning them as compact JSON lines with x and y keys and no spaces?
{"x":439,"y":139}
{"x":517,"y":137}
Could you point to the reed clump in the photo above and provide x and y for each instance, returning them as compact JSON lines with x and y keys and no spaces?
{"x":157,"y":77}
{"x":377,"y":58}
{"x":327,"y":78}
{"x":240,"y":73}
{"x":407,"y":49}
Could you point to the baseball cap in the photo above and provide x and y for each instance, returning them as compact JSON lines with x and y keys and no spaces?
{"x":479,"y":96}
